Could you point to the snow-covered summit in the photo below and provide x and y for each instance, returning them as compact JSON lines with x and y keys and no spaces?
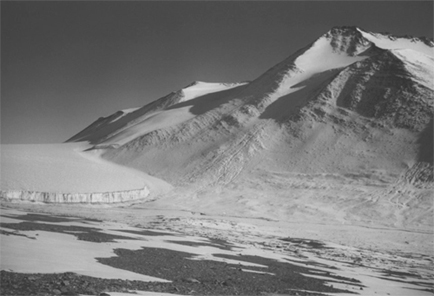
{"x":333,"y":51}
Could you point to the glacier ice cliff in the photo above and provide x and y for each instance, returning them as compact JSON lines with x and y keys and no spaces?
{"x":59,"y":197}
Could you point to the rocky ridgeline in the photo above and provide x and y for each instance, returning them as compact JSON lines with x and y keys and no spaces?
{"x":58,"y":197}
{"x":348,"y":40}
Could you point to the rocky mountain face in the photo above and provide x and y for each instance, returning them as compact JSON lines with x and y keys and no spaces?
{"x":352,"y":103}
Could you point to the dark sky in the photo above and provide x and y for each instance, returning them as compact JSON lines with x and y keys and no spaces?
{"x":64,"y":64}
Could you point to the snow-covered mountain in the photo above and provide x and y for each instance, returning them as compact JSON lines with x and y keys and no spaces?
{"x":349,"y":115}
{"x":352,"y":102}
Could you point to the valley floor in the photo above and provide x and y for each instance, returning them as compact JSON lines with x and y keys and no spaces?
{"x":155,"y":241}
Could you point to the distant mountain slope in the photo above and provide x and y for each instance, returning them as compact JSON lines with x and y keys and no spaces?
{"x":352,"y":102}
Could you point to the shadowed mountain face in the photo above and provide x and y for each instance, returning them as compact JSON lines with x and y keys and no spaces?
{"x":349,"y":103}
{"x":425,"y":142}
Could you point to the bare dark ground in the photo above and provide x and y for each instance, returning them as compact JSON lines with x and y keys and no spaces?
{"x":220,"y":278}
{"x":72,"y":284}
{"x":188,"y":276}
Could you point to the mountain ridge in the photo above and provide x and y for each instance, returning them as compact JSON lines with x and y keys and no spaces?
{"x":346,"y":84}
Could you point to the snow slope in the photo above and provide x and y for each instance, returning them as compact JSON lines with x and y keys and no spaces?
{"x":392,"y":42}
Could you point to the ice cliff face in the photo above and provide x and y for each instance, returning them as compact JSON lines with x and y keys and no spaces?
{"x":65,"y":173}
{"x":89,"y":198}
{"x":350,"y":101}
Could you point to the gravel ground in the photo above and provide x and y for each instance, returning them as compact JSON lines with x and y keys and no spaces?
{"x":188,"y":276}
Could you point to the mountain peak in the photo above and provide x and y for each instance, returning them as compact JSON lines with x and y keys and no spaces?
{"x":348,"y":40}
{"x":344,"y":30}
